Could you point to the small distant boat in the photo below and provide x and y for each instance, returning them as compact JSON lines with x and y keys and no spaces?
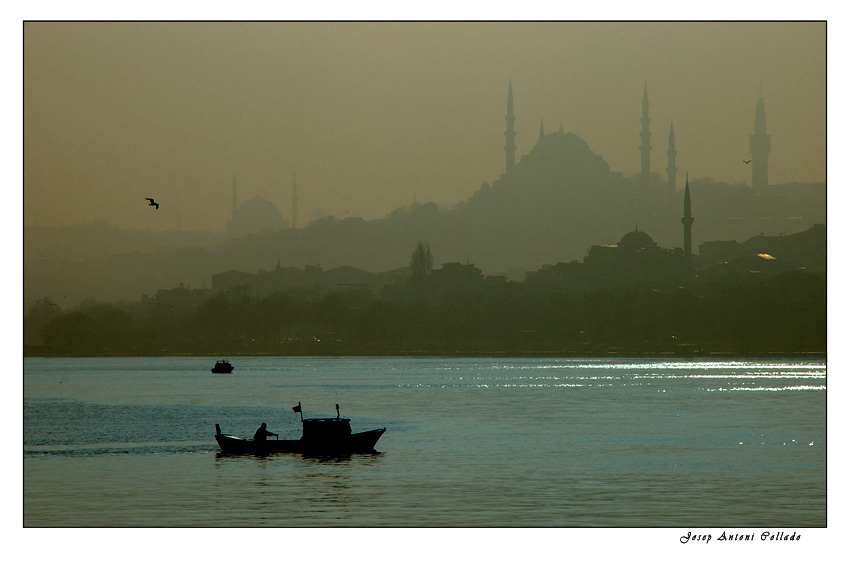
{"x":222,"y":366}
{"x":320,"y":436}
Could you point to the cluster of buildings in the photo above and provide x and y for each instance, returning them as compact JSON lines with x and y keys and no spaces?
{"x":259,"y":215}
{"x":636,"y":257}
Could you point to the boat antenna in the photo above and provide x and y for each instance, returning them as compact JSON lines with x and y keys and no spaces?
{"x":337,"y":411}
{"x":298,"y":409}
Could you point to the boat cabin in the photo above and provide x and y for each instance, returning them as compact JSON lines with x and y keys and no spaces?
{"x":324,"y":429}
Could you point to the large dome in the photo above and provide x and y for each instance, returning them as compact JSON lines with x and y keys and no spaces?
{"x":635,"y":240}
{"x":562,"y":142}
{"x":257,"y":215}
{"x":565,"y":155}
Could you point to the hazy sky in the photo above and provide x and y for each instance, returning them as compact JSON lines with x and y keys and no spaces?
{"x":370,"y":116}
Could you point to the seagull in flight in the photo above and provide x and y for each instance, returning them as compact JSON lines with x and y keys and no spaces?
{"x":747,"y":161}
{"x":151,"y":202}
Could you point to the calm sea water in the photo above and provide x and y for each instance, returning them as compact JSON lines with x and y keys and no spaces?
{"x":469,"y":443}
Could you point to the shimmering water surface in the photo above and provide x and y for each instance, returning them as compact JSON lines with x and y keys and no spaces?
{"x":469,"y":443}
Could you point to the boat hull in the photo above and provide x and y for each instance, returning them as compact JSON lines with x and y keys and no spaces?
{"x":361,"y":442}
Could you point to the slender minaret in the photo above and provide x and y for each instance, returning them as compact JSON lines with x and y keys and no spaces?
{"x":759,"y":147}
{"x":644,"y":142}
{"x":671,"y":163}
{"x":234,"y":202}
{"x":294,"y":203}
{"x":510,"y":147}
{"x":541,"y":130}
{"x":687,"y":222}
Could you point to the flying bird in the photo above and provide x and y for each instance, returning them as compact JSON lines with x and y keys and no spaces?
{"x":747,"y":161}
{"x":152,"y":203}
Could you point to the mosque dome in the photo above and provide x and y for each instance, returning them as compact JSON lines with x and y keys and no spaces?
{"x":256,"y":215}
{"x":562,"y":142}
{"x":563,"y":153}
{"x":635,"y":240}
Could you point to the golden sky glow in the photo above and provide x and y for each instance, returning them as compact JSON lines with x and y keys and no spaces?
{"x":372,"y":115}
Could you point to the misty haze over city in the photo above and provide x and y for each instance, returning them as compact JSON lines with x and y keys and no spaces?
{"x":510,"y":148}
{"x":372,"y":116}
{"x":572,"y":274}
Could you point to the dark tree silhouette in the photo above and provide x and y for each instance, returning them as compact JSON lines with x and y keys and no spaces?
{"x":421,"y":260}
{"x":747,"y":314}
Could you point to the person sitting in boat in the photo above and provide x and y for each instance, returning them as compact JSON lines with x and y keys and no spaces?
{"x":262,"y":432}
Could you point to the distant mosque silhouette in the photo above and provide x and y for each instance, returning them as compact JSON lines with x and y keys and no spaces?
{"x":257,"y":215}
{"x":554,"y":158}
{"x":759,"y":144}
{"x":570,"y":151}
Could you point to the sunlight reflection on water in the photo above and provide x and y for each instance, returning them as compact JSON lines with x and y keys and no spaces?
{"x":469,"y":442}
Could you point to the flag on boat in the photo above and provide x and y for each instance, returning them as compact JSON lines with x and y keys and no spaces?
{"x":297,"y":408}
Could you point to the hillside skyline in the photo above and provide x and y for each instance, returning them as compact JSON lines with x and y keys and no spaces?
{"x":374,"y":116}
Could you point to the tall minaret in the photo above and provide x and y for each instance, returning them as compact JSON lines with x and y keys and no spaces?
{"x":759,"y":147}
{"x":644,"y":142}
{"x":687,"y":222}
{"x":541,"y":131}
{"x":294,"y":203}
{"x":510,"y":147}
{"x":234,"y":202}
{"x":671,"y":163}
